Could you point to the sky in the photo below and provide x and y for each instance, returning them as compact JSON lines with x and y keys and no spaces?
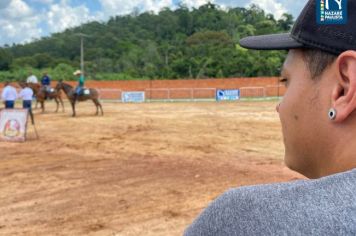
{"x":22,"y":21}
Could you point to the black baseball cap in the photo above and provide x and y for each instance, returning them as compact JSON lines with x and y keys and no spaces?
{"x":311,"y":32}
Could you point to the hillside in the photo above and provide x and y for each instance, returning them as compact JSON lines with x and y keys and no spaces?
{"x":180,"y":43}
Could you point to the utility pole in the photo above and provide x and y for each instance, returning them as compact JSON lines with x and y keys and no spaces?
{"x":82,"y":50}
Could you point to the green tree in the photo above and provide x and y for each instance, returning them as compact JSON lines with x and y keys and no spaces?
{"x":5,"y":59}
{"x":180,"y":43}
{"x":63,"y":72}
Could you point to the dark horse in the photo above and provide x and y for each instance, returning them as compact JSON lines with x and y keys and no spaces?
{"x":41,"y":95}
{"x":87,"y":94}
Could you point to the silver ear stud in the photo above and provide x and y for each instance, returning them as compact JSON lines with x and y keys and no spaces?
{"x":332,"y":114}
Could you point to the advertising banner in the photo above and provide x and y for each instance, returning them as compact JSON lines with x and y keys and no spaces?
{"x":227,"y":94}
{"x":133,"y":96}
{"x":13,"y":125}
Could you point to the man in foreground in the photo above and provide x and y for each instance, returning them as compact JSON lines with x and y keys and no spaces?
{"x":318,"y":116}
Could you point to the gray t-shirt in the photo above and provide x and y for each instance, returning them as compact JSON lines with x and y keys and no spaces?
{"x":325,"y":206}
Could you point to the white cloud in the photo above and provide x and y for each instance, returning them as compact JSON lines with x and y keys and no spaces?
{"x":19,"y":23}
{"x":156,"y":6}
{"x":270,"y":6}
{"x":124,"y":7}
{"x":4,"y":3}
{"x":62,"y":16}
{"x":16,"y":9}
{"x":195,"y":3}
{"x":294,"y":7}
{"x":47,"y":2}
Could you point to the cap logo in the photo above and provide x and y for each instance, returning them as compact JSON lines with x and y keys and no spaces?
{"x":331,"y":12}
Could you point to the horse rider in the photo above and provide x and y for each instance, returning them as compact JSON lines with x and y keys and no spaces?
{"x":79,"y":89}
{"x":32,"y":78}
{"x":46,"y":84}
{"x":9,"y":95}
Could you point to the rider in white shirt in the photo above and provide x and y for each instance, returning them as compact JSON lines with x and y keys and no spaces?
{"x":32,"y":79}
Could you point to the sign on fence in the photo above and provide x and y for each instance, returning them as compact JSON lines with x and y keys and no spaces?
{"x":13,"y":125}
{"x":133,"y":96}
{"x":227,"y":94}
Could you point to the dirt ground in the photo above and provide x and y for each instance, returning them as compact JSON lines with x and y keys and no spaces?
{"x":141,"y":169}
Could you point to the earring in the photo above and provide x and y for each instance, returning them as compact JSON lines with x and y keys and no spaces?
{"x":332,"y":114}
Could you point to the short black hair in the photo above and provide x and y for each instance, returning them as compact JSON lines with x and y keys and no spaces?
{"x":317,"y":61}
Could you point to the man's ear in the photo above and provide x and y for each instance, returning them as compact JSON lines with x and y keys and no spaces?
{"x":344,"y":92}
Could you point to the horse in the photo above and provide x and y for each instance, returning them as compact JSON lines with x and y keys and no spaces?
{"x":87,"y":94}
{"x":41,"y":95}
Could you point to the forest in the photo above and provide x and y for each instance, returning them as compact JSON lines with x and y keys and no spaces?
{"x":172,"y":44}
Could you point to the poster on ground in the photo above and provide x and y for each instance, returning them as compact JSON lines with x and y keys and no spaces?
{"x":13,"y":125}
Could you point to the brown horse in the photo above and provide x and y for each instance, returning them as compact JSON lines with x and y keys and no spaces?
{"x":90,"y":93}
{"x":41,"y":95}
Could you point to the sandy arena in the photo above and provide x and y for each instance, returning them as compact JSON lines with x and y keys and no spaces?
{"x":141,"y":169}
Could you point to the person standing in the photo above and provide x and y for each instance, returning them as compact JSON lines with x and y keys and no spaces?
{"x":32,"y":78}
{"x":9,"y":95}
{"x":26,"y":94}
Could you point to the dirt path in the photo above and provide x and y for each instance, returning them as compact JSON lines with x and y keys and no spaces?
{"x":142,"y":169}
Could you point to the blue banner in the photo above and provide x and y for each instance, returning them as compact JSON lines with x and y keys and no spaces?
{"x":227,"y":94}
{"x":133,"y":96}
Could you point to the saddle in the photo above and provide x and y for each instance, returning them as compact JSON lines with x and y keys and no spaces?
{"x":47,"y":90}
{"x":83,"y":91}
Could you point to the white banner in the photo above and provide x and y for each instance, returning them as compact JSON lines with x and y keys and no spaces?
{"x":13,"y":125}
{"x":133,"y":96}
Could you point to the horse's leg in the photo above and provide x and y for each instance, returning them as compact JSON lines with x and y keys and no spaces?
{"x":101,"y":108}
{"x":96,"y":105}
{"x":61,"y":101}
{"x":42,"y":106}
{"x":55,"y":99}
{"x":72,"y":102}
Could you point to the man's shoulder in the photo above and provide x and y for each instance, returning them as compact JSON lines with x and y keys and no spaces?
{"x":328,"y":184}
{"x":9,"y":89}
{"x":291,"y":207}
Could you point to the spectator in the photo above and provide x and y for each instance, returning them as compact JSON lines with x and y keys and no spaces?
{"x":9,"y":95}
{"x":318,"y":116}
{"x":26,"y":94}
